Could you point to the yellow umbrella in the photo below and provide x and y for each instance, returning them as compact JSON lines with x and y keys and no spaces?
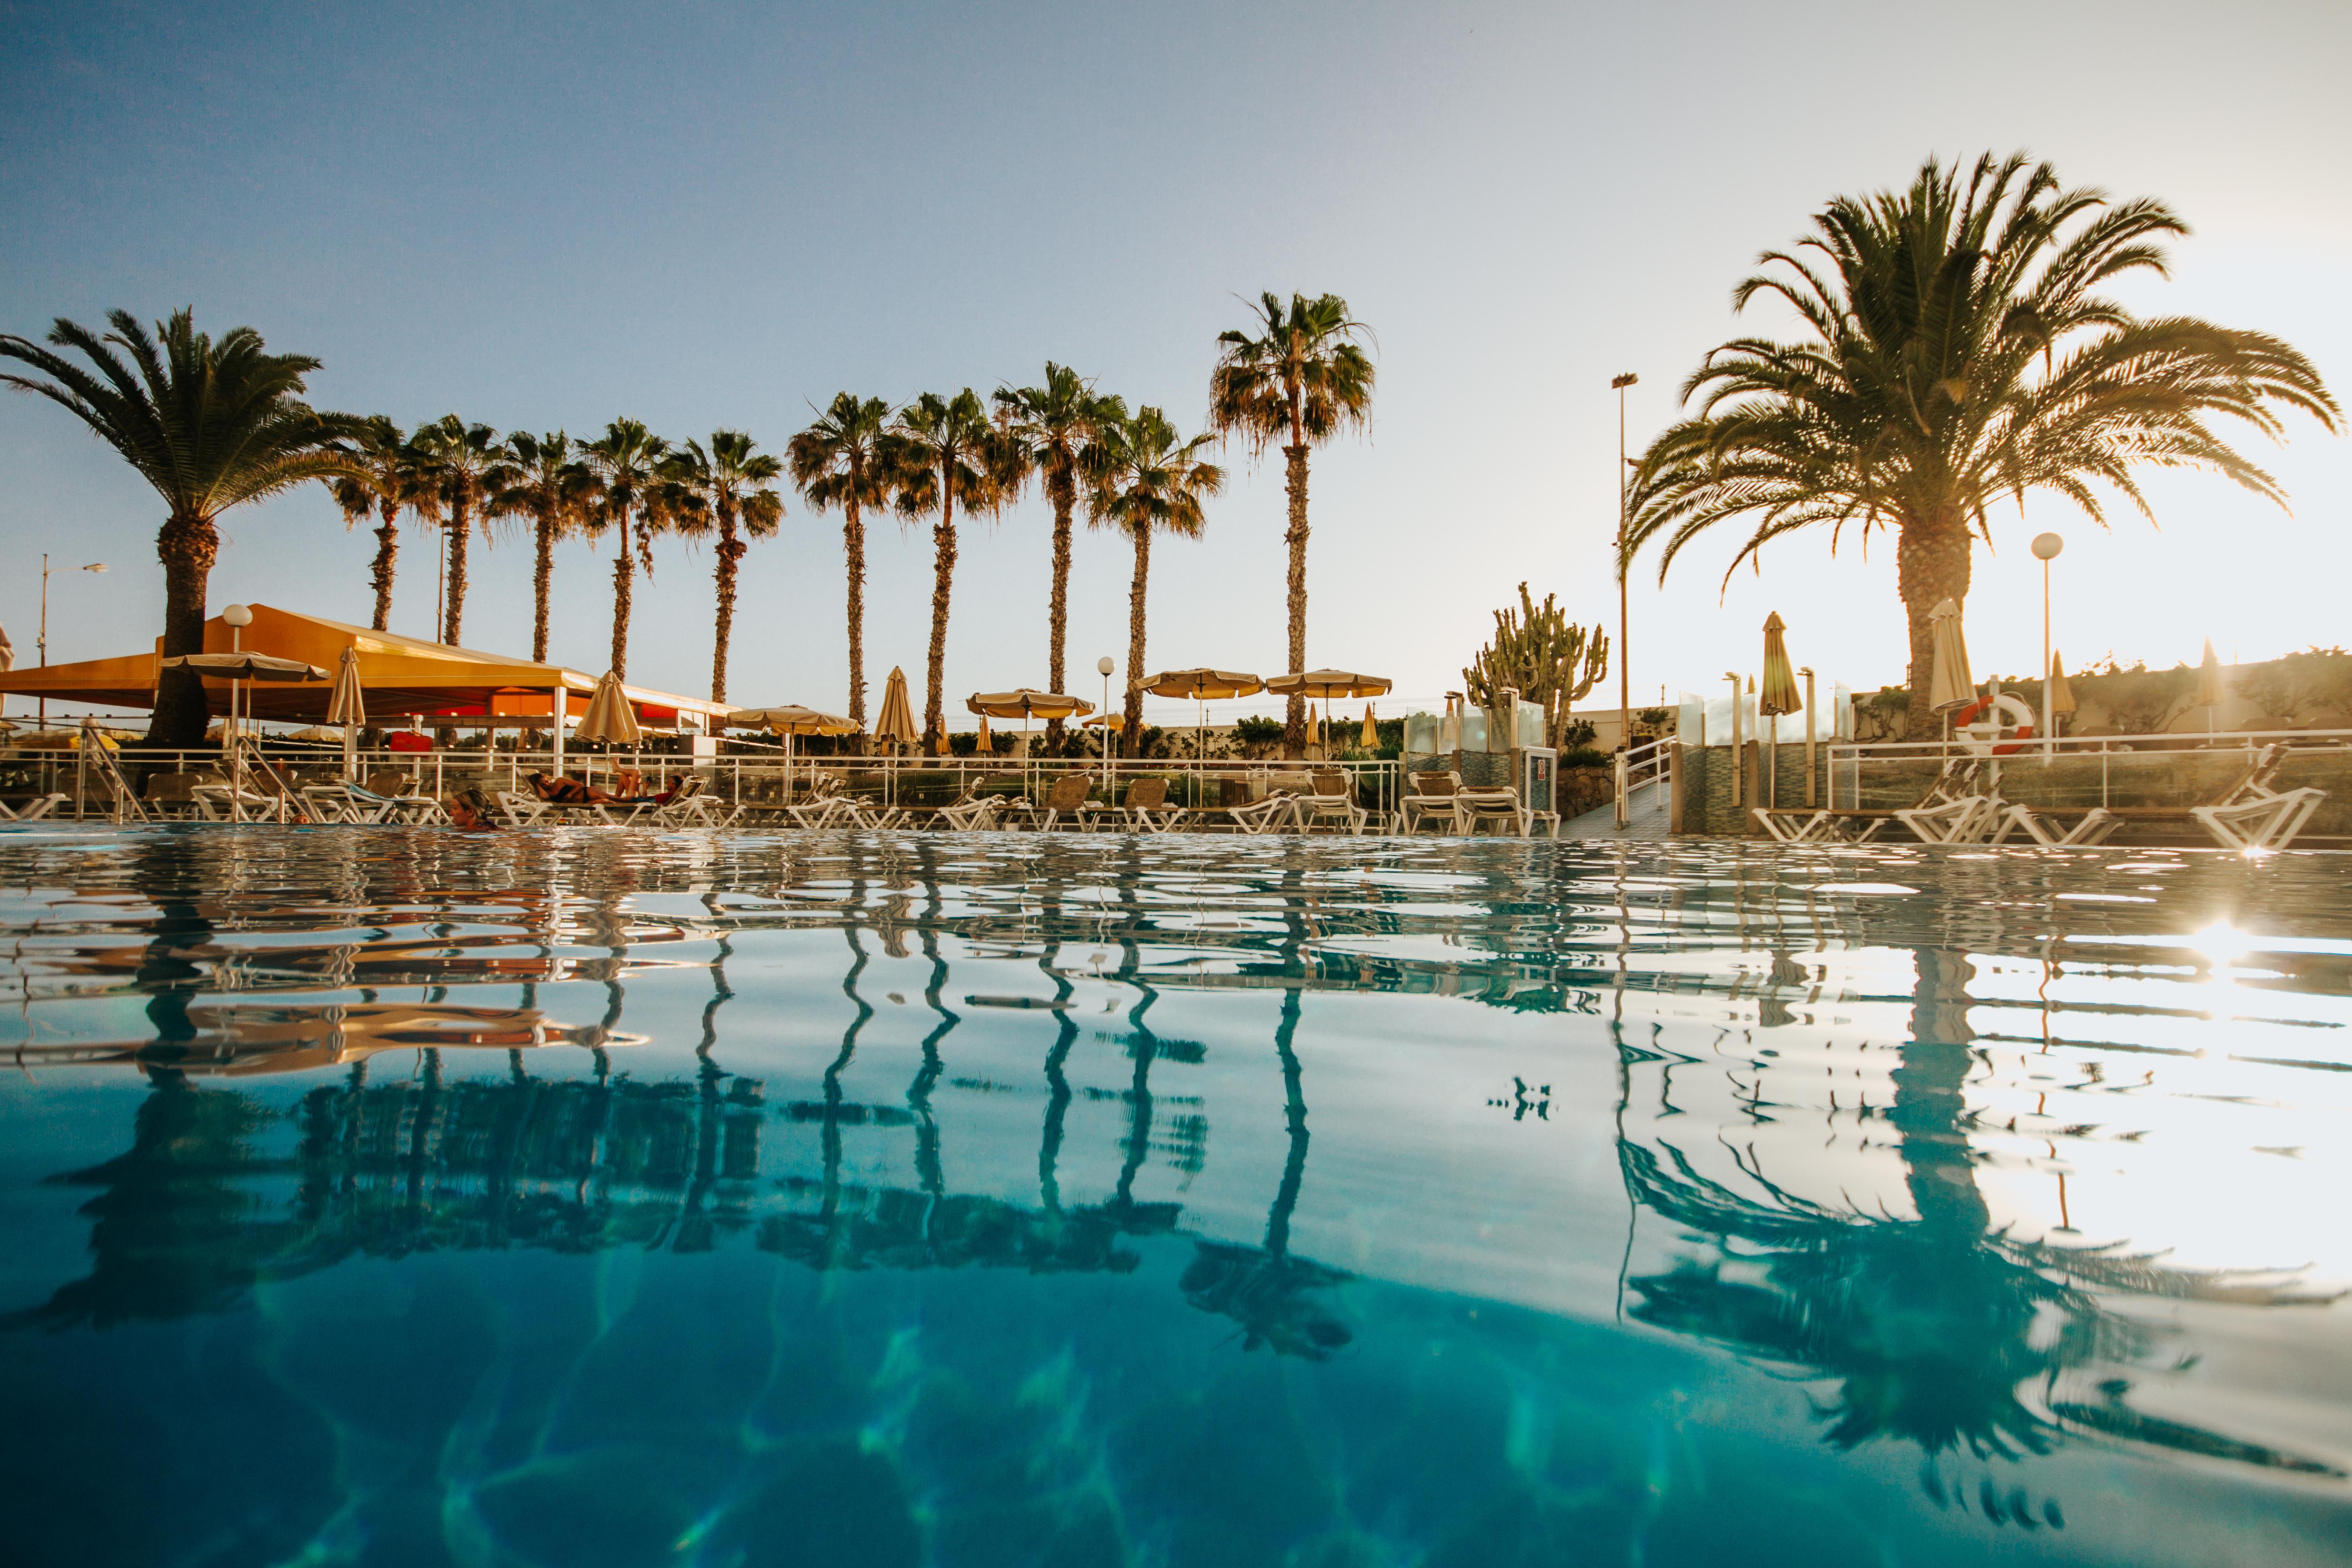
{"x":1778,"y":696}
{"x":898,"y":720}
{"x":609,"y":717}
{"x":1371,"y":736}
{"x":985,"y":744}
{"x":1327,"y":684}
{"x":2061,"y":695}
{"x":791,"y":720}
{"x":1203,"y":686}
{"x":1950,"y":685}
{"x":1024,"y":701}
{"x":788,"y":721}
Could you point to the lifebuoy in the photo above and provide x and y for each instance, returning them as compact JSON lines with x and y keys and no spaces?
{"x":1987,"y":736}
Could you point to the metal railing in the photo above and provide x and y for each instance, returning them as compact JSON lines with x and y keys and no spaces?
{"x":1647,"y":765}
{"x":748,"y":776}
{"x":2083,"y":771}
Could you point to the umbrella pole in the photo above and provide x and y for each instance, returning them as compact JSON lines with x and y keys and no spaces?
{"x":555,"y":744}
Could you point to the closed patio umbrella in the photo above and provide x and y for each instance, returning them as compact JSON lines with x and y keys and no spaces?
{"x":348,"y":708}
{"x":1371,"y":737}
{"x":896,"y":722}
{"x":1949,"y":683}
{"x":1778,"y":696}
{"x":2061,"y":695}
{"x":986,"y":743}
{"x":609,"y":717}
{"x":2209,"y":693}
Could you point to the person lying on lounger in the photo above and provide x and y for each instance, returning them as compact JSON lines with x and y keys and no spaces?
{"x":569,"y":792}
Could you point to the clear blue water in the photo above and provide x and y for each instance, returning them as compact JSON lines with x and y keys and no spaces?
{"x":389,"y":1196}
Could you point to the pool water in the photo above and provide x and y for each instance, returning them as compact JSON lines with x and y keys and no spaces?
{"x":602,"y":1197}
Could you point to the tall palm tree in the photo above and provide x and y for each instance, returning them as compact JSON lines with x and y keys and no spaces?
{"x":1303,"y":378}
{"x":626,"y":461}
{"x":1144,"y":478}
{"x":378,"y":485}
{"x":842,"y":460}
{"x":1959,"y":356}
{"x":210,"y":425}
{"x":452,"y":461}
{"x":944,"y":452}
{"x":734,"y":485}
{"x":1049,"y":427}
{"x":543,"y":479}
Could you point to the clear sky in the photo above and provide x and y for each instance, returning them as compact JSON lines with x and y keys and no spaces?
{"x":705,"y":216}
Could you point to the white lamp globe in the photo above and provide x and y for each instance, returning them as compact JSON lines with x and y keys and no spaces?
{"x":2047,"y":546}
{"x":238,"y":614}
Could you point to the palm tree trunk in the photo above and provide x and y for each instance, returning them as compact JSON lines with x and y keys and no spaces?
{"x":1931,"y":565}
{"x":1293,"y":1118}
{"x":730,"y":553}
{"x":1930,"y":1114}
{"x":1062,"y":489}
{"x":387,"y":548}
{"x":1293,"y":716}
{"x":943,"y":543}
{"x":1134,"y":710}
{"x":542,"y":582}
{"x":456,"y":611}
{"x":853,"y":545}
{"x":187,"y":546}
{"x":622,"y":585}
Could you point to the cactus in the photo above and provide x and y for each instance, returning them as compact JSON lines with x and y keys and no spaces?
{"x":1551,"y":661}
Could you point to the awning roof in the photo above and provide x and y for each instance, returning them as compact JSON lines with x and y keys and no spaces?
{"x":401,"y":675}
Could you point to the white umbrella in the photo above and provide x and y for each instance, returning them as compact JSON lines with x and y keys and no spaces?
{"x":789,"y":720}
{"x":2209,"y":693}
{"x":609,"y":717}
{"x":348,"y":708}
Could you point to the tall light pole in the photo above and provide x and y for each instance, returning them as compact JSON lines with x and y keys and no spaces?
{"x":1625,"y":669}
{"x":2045,"y":550}
{"x":42,"y":640}
{"x":1104,"y":666}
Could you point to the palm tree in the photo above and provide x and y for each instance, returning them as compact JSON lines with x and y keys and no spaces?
{"x":842,"y":460}
{"x":944,"y":451}
{"x":1143,"y":478}
{"x":625,"y":460}
{"x":1299,"y":383}
{"x":210,"y":425}
{"x":541,"y":478}
{"x":452,"y":461}
{"x":1048,"y":429}
{"x":734,"y":485}
{"x":379,"y":486}
{"x":1959,"y":356}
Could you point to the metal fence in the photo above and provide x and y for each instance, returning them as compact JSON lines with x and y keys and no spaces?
{"x":2074,"y":772}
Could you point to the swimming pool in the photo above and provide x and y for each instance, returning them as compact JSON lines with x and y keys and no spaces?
{"x":409,"y":1196}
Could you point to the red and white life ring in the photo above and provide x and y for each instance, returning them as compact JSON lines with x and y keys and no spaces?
{"x":1995,"y":726}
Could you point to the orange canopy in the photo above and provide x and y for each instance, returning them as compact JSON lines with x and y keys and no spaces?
{"x":401,"y":676}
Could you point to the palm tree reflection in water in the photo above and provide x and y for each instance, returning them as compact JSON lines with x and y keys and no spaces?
{"x":1939,"y":1329}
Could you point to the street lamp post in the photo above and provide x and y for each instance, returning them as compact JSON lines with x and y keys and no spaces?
{"x":2045,"y":550}
{"x":1104,"y":666}
{"x":42,"y":640}
{"x":1619,"y":387}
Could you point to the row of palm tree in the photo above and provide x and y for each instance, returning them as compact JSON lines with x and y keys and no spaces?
{"x":213,"y":424}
